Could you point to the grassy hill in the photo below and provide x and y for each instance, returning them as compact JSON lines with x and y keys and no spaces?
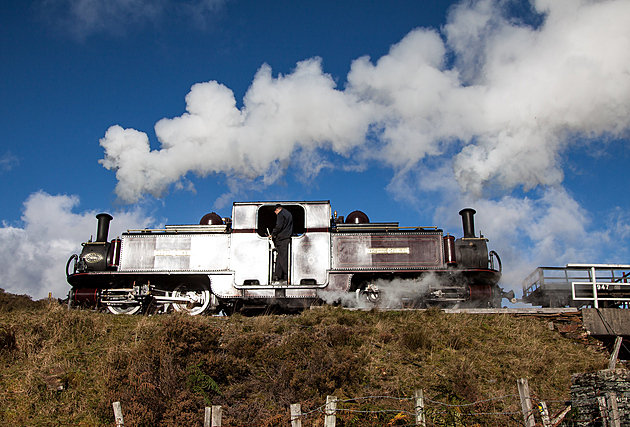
{"x":61,"y":367}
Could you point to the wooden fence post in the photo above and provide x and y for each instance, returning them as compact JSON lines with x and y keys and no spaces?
{"x":544,"y":413}
{"x":118,"y":415}
{"x":603,"y":410}
{"x":526,"y":402}
{"x":561,"y":416}
{"x":330,"y":418}
{"x":216,"y":416}
{"x":613,"y":357}
{"x":296,"y":415}
{"x":613,"y":410}
{"x":419,"y":404}
{"x":207,"y":417}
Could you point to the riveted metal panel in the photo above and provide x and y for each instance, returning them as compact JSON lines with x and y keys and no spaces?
{"x":259,"y":293}
{"x":174,"y":252}
{"x":210,"y":252}
{"x":381,"y":251}
{"x":137,"y":253}
{"x":222,"y":285}
{"x":310,"y":257}
{"x":300,"y":293}
{"x":244,"y":216}
{"x":317,"y":215}
{"x":250,"y":258}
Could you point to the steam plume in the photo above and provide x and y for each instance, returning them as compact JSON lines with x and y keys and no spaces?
{"x":512,"y":103}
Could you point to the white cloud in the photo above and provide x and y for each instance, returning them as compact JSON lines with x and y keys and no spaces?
{"x":34,"y":256}
{"x":546,"y":228}
{"x":543,"y":86}
{"x":8,"y":161}
{"x":504,"y":115}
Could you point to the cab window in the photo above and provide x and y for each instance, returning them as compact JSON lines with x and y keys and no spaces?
{"x":267,"y":219}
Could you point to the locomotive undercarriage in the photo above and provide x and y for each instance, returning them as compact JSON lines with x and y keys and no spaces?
{"x":133,"y":295}
{"x":147,"y":298}
{"x":253,"y":306}
{"x":451,"y":289}
{"x":123,"y":293}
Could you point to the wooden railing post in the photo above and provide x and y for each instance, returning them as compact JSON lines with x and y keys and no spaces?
{"x":526,"y":402}
{"x":330,"y":418}
{"x":296,"y":415}
{"x":419,"y":404}
{"x":118,"y":415}
{"x":216,"y":416}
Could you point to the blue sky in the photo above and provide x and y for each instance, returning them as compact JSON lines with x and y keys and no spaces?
{"x":159,"y":111}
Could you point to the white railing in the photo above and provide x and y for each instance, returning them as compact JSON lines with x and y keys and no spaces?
{"x":603,"y":284}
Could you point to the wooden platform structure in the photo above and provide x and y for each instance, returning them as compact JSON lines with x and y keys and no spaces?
{"x":579,"y":285}
{"x":606,"y":322}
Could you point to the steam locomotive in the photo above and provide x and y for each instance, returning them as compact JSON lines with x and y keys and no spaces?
{"x":226,"y":264}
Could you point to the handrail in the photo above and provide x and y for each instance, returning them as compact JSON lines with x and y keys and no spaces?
{"x":581,"y":282}
{"x":597,"y":286}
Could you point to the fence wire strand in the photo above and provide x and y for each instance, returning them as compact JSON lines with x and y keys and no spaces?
{"x":322,"y":409}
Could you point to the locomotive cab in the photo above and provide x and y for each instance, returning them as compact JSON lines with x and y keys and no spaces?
{"x":252,"y":254}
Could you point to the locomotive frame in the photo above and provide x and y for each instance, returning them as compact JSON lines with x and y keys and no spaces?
{"x":226,"y":264}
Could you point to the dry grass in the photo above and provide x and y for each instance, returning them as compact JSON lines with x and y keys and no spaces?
{"x":166,"y":369}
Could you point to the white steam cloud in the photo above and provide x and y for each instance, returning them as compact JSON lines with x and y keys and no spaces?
{"x":34,"y":256}
{"x":390,"y":294}
{"x":514,"y":101}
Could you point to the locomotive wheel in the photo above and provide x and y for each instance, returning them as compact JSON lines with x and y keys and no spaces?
{"x":198,"y":295}
{"x":369,"y":293}
{"x":124,"y":308}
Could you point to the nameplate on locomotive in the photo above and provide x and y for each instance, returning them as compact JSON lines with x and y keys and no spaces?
{"x":387,"y":250}
{"x":93,"y":257}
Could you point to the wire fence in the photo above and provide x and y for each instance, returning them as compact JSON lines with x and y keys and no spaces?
{"x":411,"y":411}
{"x":610,"y":408}
{"x":428,"y":412}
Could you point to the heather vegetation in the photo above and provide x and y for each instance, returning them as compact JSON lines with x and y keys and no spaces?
{"x":63,"y":367}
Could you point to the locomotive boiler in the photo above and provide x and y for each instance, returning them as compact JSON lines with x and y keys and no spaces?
{"x":226,"y":264}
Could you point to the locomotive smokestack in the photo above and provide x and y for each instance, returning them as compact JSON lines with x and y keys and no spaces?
{"x":103,"y":226}
{"x":468,"y":221}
